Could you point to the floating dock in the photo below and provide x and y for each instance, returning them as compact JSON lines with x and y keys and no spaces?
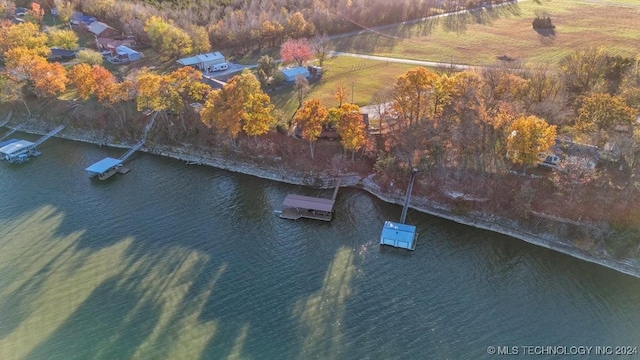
{"x":295,"y":206}
{"x":19,"y":151}
{"x":401,"y":235}
{"x":104,"y":168}
{"x":398,"y":235}
{"x":108,"y":167}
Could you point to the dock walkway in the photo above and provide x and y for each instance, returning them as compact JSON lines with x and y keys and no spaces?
{"x":140,"y":143}
{"x":48,"y":135}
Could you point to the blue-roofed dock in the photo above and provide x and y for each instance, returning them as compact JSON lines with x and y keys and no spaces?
{"x":104,"y":168}
{"x":398,"y":235}
{"x":108,"y":167}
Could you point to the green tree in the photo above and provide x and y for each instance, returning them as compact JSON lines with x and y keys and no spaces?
{"x":310,"y":119}
{"x":91,"y":57}
{"x":529,"y":136}
{"x":63,"y":39}
{"x":65,"y":10}
{"x":266,"y":69}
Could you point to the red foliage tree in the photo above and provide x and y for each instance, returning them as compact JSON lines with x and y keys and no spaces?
{"x":298,"y":50}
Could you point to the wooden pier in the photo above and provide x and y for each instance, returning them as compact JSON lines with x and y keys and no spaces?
{"x":295,"y":206}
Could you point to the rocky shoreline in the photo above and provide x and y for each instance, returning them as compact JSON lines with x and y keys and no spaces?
{"x":319,"y":180}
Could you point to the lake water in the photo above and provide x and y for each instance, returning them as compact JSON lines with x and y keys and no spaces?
{"x":185,"y":262}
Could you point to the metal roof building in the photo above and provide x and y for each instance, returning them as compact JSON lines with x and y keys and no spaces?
{"x":203,"y":61}
{"x":16,"y":148}
{"x":131,"y":54}
{"x":291,"y":74}
{"x":5,"y":143}
{"x":398,"y":235}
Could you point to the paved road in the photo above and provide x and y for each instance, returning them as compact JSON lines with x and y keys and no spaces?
{"x":406,"y":61}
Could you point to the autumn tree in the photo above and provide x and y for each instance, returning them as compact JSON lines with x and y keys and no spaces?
{"x":310,"y":119}
{"x":35,"y":14}
{"x":413,"y":96}
{"x":529,"y":137}
{"x":584,"y":69}
{"x":63,"y":39}
{"x":351,"y":128}
{"x":35,"y":73}
{"x":340,"y":94}
{"x":119,"y":93}
{"x":239,"y":105}
{"x":271,"y":32}
{"x":168,"y":40}
{"x":297,"y":51}
{"x":26,"y":35}
{"x":601,"y":112}
{"x":11,"y":90}
{"x":296,"y":25}
{"x":81,"y":77}
{"x":65,"y":10}
{"x":200,"y":39}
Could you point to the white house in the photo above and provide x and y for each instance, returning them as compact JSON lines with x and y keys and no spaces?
{"x":205,"y":62}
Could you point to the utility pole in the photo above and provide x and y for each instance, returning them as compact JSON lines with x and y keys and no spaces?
{"x":352,"y":87}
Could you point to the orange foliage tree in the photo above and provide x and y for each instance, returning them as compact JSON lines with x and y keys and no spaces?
{"x":309,"y":119}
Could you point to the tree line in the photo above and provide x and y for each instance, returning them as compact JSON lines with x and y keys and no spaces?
{"x":244,"y":25}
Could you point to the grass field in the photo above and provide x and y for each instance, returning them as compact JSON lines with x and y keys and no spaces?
{"x":362,"y":77}
{"x":479,"y":37}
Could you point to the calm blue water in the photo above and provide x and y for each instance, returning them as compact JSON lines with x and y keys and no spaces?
{"x":184,"y":262}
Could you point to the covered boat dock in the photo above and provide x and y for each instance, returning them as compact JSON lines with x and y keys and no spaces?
{"x":398,"y":235}
{"x":18,"y":151}
{"x":104,"y":168}
{"x":298,"y":206}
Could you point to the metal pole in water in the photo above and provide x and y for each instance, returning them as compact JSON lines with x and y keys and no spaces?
{"x":405,"y":207}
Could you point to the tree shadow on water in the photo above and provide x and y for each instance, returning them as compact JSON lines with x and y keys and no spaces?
{"x":101,"y":328}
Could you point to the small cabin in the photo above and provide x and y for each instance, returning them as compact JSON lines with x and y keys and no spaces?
{"x":298,"y":206}
{"x":104,"y":168}
{"x":398,"y":235}
{"x":291,"y":74}
{"x":125,"y":53}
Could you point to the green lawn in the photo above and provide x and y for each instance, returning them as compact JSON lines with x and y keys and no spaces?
{"x":362,"y":77}
{"x":478,"y":38}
